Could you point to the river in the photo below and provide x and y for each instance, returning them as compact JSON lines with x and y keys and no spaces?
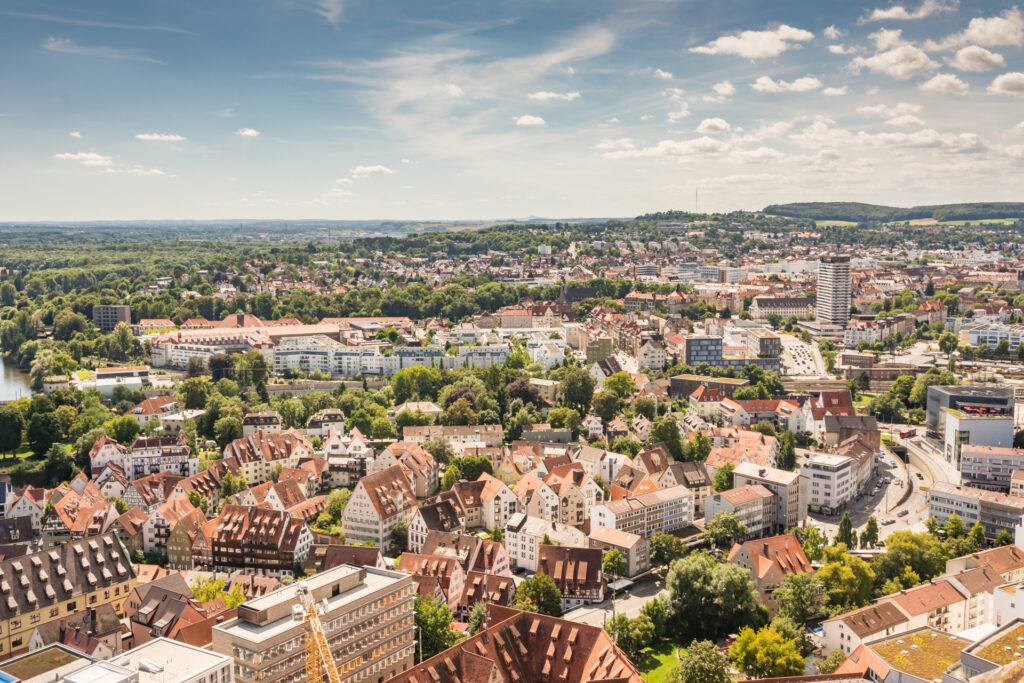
{"x":13,"y":382}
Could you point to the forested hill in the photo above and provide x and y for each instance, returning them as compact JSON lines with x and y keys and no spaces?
{"x":862,"y":213}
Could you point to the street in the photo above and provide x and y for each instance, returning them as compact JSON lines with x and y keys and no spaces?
{"x":627,"y":602}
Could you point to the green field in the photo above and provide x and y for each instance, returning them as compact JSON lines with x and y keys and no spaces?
{"x":661,"y":661}
{"x":834,"y":224}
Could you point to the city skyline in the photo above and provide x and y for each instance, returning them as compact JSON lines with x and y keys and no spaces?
{"x":342,"y":109}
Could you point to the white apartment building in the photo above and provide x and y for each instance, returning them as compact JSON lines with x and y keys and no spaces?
{"x":753,"y":506}
{"x":995,"y":511}
{"x":524,"y":534}
{"x":831,"y":481}
{"x":791,"y":489}
{"x":989,"y":467}
{"x":663,"y":510}
{"x":833,"y":300}
{"x":964,"y":428}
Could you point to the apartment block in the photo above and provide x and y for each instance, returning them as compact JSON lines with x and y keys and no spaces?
{"x":990,"y":467}
{"x":996,"y":511}
{"x":107,"y":317}
{"x":752,"y":505}
{"x":368,"y":622}
{"x":832,"y":481}
{"x":663,"y":510}
{"x":791,"y":489}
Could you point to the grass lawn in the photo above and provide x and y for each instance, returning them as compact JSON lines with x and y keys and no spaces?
{"x":833,"y":223}
{"x":660,"y":662}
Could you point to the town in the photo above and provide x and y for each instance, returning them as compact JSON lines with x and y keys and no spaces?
{"x":680,"y":448}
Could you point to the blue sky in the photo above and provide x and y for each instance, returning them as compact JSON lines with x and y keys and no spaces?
{"x":465,"y":109}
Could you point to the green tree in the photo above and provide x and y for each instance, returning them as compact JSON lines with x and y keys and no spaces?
{"x":829,"y":664}
{"x":275,"y":472}
{"x":798,"y":597}
{"x":666,"y":548}
{"x":724,"y":529}
{"x":631,"y":635}
{"x":226,"y":430}
{"x":198,"y":501}
{"x":977,"y":536}
{"x":621,"y":384}
{"x":948,"y":343}
{"x":922,"y":553}
{"x":399,"y":537}
{"x":441,"y":450}
{"x":723,"y":480}
{"x":766,"y":654}
{"x":699,"y":447}
{"x":123,"y":429}
{"x":954,"y":526}
{"x":542,"y":591}
{"x":433,"y":625}
{"x":709,"y":598}
{"x":415,"y":382}
{"x":606,"y":405}
{"x":577,"y":389}
{"x":786,"y":459}
{"x":703,"y":663}
{"x":12,"y":424}
{"x":665,"y":430}
{"x":646,"y":406}
{"x":869,"y":537}
{"x":847,"y":582}
{"x":44,"y":430}
{"x":844,"y":534}
{"x":59,"y":465}
{"x":476,"y":617}
{"x":195,"y":391}
{"x":813,"y":544}
{"x":657,"y":612}
{"x":120,"y":505}
{"x":614,"y":564}
{"x":1004,"y":537}
{"x":498,"y":534}
{"x":381,"y":428}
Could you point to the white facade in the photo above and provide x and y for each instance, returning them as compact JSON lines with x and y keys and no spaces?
{"x":831,"y":480}
{"x":523,"y":536}
{"x":979,"y":430}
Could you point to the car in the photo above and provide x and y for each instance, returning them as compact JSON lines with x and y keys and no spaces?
{"x":887,"y":522}
{"x":903,"y":513}
{"x":918,"y":475}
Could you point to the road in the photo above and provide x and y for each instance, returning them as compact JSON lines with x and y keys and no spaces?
{"x":627,"y":602}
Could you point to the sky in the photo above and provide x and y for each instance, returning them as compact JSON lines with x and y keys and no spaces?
{"x":490,"y":109}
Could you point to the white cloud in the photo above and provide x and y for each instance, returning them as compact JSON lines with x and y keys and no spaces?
{"x":1018,"y":129}
{"x":901,"y":63}
{"x":703,"y":147}
{"x":756,"y":44}
{"x":975,"y":58}
{"x":1008,"y":84}
{"x":529,"y":120}
{"x":886,"y":39}
{"x":712,"y":126}
{"x":766,"y":84}
{"x":70,"y":47}
{"x":835,"y":92}
{"x":1006,"y":29}
{"x":137,"y":169}
{"x":943,"y":84}
{"x":663,"y":75}
{"x":363,"y":171}
{"x":227,"y":113}
{"x":344,"y":181}
{"x":453,"y":90}
{"x":832,"y":33}
{"x":680,"y":113}
{"x":545,"y":95}
{"x":901,"y":13}
{"x":247,"y":132}
{"x":841,"y":50}
{"x":954,"y":143}
{"x":338,"y":192}
{"x":907,"y":120}
{"x":331,"y":10}
{"x":725,"y":88}
{"x":617,"y":143}
{"x":407,"y":161}
{"x":886,"y":112}
{"x":85,"y":158}
{"x":773,"y":130}
{"x":159,"y":137}
{"x":75,"y":134}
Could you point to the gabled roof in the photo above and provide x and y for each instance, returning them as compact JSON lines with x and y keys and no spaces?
{"x":781,"y":552}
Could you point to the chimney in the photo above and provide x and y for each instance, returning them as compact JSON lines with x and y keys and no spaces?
{"x":765,"y":545}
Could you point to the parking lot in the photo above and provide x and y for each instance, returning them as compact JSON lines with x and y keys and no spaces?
{"x":800,"y":359}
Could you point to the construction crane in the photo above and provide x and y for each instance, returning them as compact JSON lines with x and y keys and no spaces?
{"x":318,"y":654}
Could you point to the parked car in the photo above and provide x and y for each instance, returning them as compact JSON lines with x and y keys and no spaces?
{"x":903,"y":513}
{"x":887,"y":522}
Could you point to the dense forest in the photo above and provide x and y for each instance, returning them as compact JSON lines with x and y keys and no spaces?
{"x":875,"y":213}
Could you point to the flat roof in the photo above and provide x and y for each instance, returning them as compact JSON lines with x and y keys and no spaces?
{"x":925,"y":653}
{"x":374,"y":581}
{"x":47,"y":662}
{"x":177,"y":658}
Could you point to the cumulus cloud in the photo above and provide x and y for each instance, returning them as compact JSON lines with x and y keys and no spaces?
{"x":344,"y":181}
{"x":85,"y":158}
{"x":1008,"y":84}
{"x":886,"y":39}
{"x":756,"y":44}
{"x":901,"y":13}
{"x":545,"y":95}
{"x":159,"y":137}
{"x":703,"y":147}
{"x":331,"y":10}
{"x":835,"y":92}
{"x":900,"y":63}
{"x":363,"y":171}
{"x":841,"y":49}
{"x":679,"y":113}
{"x":884,"y":111}
{"x":1018,"y":129}
{"x":529,"y":120}
{"x":247,"y":132}
{"x":714,"y":125}
{"x":943,"y":84}
{"x":75,"y":134}
{"x":453,"y":90}
{"x":832,"y":33}
{"x":1006,"y":29}
{"x":725,"y":88}
{"x":663,"y":75}
{"x":766,"y":84}
{"x":975,"y":58}
{"x":907,"y":120}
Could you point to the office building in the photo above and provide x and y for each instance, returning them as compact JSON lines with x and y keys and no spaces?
{"x":990,"y":467}
{"x":832,"y":482}
{"x":159,"y":661}
{"x":833,"y":299}
{"x":968,"y":428}
{"x":995,"y":511}
{"x":972,"y":399}
{"x":106,"y":318}
{"x":791,"y":491}
{"x":368,"y":622}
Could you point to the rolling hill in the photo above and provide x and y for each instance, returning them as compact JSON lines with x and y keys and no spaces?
{"x":863,"y":213}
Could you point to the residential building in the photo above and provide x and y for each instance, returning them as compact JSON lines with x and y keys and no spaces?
{"x":770,"y":561}
{"x":990,"y":467}
{"x":60,"y":581}
{"x":995,"y":511}
{"x":324,"y":421}
{"x":268,"y":422}
{"x":832,"y":481}
{"x":156,"y":454}
{"x":979,"y":429}
{"x":524,"y":536}
{"x":378,"y":502}
{"x":753,"y":506}
{"x":256,"y":540}
{"x":693,"y":475}
{"x":663,"y":510}
{"x":848,"y":631}
{"x":920,"y":655}
{"x":635,"y":549}
{"x":106,"y":317}
{"x":791,"y":491}
{"x":784,"y":307}
{"x":833,"y":296}
{"x":259,"y":452}
{"x":439,"y":516}
{"x":576,"y":572}
{"x":160,"y":660}
{"x":367,"y":621}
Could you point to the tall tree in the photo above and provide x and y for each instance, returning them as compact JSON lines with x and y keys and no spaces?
{"x":703,"y":663}
{"x":12,"y":423}
{"x":766,"y":654}
{"x":542,"y":591}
